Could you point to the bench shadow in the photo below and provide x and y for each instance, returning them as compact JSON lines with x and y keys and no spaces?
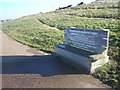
{"x":47,"y":65}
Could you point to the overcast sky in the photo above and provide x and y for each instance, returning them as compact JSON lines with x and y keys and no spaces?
{"x":11,"y":9}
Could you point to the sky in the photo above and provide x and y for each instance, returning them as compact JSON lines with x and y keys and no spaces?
{"x":11,"y":9}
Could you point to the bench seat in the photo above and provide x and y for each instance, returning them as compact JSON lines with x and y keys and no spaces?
{"x":84,"y":48}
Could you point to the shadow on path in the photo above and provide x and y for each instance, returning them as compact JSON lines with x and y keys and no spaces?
{"x":47,"y":65}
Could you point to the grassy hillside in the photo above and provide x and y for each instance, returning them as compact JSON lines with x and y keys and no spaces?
{"x":97,"y":1}
{"x":62,"y":21}
{"x":30,"y":31}
{"x":95,"y":10}
{"x":44,"y":30}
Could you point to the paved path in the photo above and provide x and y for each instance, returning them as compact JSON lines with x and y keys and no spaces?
{"x":25,"y":67}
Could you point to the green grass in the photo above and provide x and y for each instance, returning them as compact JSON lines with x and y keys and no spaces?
{"x":97,"y":6}
{"x":62,"y":21}
{"x":108,"y":74}
{"x":91,"y":13}
{"x":44,"y":30}
{"x":33,"y":33}
{"x":95,"y":10}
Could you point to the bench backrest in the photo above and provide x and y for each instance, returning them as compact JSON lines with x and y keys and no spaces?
{"x":88,"y":39}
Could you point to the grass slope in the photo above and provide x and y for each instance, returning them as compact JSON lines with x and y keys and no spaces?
{"x":62,"y":21}
{"x":31,"y":32}
{"x":44,"y":30}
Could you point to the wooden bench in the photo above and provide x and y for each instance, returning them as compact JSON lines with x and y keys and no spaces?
{"x":85,"y":48}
